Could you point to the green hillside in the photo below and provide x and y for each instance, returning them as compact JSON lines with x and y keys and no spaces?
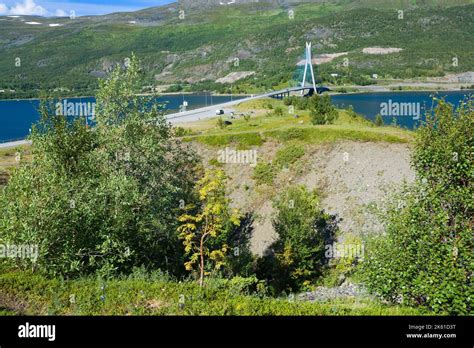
{"x":195,"y":50}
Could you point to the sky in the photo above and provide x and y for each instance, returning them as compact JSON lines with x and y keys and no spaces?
{"x":80,"y":7}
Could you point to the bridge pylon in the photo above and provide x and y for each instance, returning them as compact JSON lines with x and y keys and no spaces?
{"x":309,"y":63}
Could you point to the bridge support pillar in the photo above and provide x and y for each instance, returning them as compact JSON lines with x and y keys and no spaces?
{"x":309,"y":62}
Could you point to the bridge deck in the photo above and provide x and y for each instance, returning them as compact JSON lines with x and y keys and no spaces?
{"x":201,"y":113}
{"x":210,"y":111}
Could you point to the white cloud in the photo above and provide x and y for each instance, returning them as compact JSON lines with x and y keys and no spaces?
{"x":28,"y":7}
{"x":60,"y":13}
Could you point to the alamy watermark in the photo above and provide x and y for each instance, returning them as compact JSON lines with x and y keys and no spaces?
{"x":395,"y":109}
{"x":19,"y":251}
{"x":344,"y":250}
{"x":37,"y":331}
{"x":77,"y":109}
{"x":231,"y":156}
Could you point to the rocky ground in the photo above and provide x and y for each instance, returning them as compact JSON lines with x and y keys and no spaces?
{"x":352,"y":177}
{"x":345,"y":291}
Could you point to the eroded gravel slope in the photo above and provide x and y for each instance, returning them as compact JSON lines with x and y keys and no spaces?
{"x":353,"y":177}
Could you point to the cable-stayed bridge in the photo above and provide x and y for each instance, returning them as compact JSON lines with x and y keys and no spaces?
{"x":210,"y":111}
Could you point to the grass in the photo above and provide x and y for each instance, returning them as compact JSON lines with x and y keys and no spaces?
{"x":8,"y":161}
{"x":243,"y":140}
{"x":264,"y":125}
{"x":332,"y":133}
{"x":288,"y":155}
{"x":31,"y":294}
{"x":264,"y":173}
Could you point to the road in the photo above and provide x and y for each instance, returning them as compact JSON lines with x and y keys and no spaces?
{"x":14,"y":144}
{"x":197,"y":114}
{"x":210,"y":111}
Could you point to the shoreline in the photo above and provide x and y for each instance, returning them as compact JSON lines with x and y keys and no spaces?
{"x":9,"y":145}
{"x":406,"y":87}
{"x":176,"y":116}
{"x":139,"y":95}
{"x":400,"y":91}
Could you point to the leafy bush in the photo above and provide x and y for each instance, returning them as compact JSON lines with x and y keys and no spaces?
{"x":287,"y":155}
{"x":102,"y":200}
{"x":181,"y":132}
{"x":264,"y":173}
{"x":378,"y":120}
{"x":303,"y":231}
{"x":322,"y":110}
{"x":278,"y":111}
{"x":202,"y":225}
{"x":340,"y":268}
{"x":288,"y":101}
{"x":300,"y":103}
{"x":426,"y":258}
{"x":239,"y":260}
{"x":220,"y":123}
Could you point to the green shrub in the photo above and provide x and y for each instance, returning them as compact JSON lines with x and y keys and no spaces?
{"x":322,"y":110}
{"x":102,"y":200}
{"x":303,"y":231}
{"x":426,"y":257}
{"x":288,"y":155}
{"x":288,"y":101}
{"x":378,"y":120}
{"x":351,"y":112}
{"x":220,"y":123}
{"x":278,"y":111}
{"x":340,"y":268}
{"x":181,"y":132}
{"x":301,"y":103}
{"x":264,"y":173}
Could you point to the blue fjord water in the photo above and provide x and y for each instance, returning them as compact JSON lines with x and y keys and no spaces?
{"x":406,"y":108}
{"x":17,"y":116}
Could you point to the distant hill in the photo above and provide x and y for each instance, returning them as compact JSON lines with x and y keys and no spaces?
{"x":195,"y":43}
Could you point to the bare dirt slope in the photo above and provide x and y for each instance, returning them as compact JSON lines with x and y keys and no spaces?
{"x":356,"y":176}
{"x":352,"y":177}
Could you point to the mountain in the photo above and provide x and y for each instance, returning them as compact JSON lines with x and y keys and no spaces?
{"x":195,"y":43}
